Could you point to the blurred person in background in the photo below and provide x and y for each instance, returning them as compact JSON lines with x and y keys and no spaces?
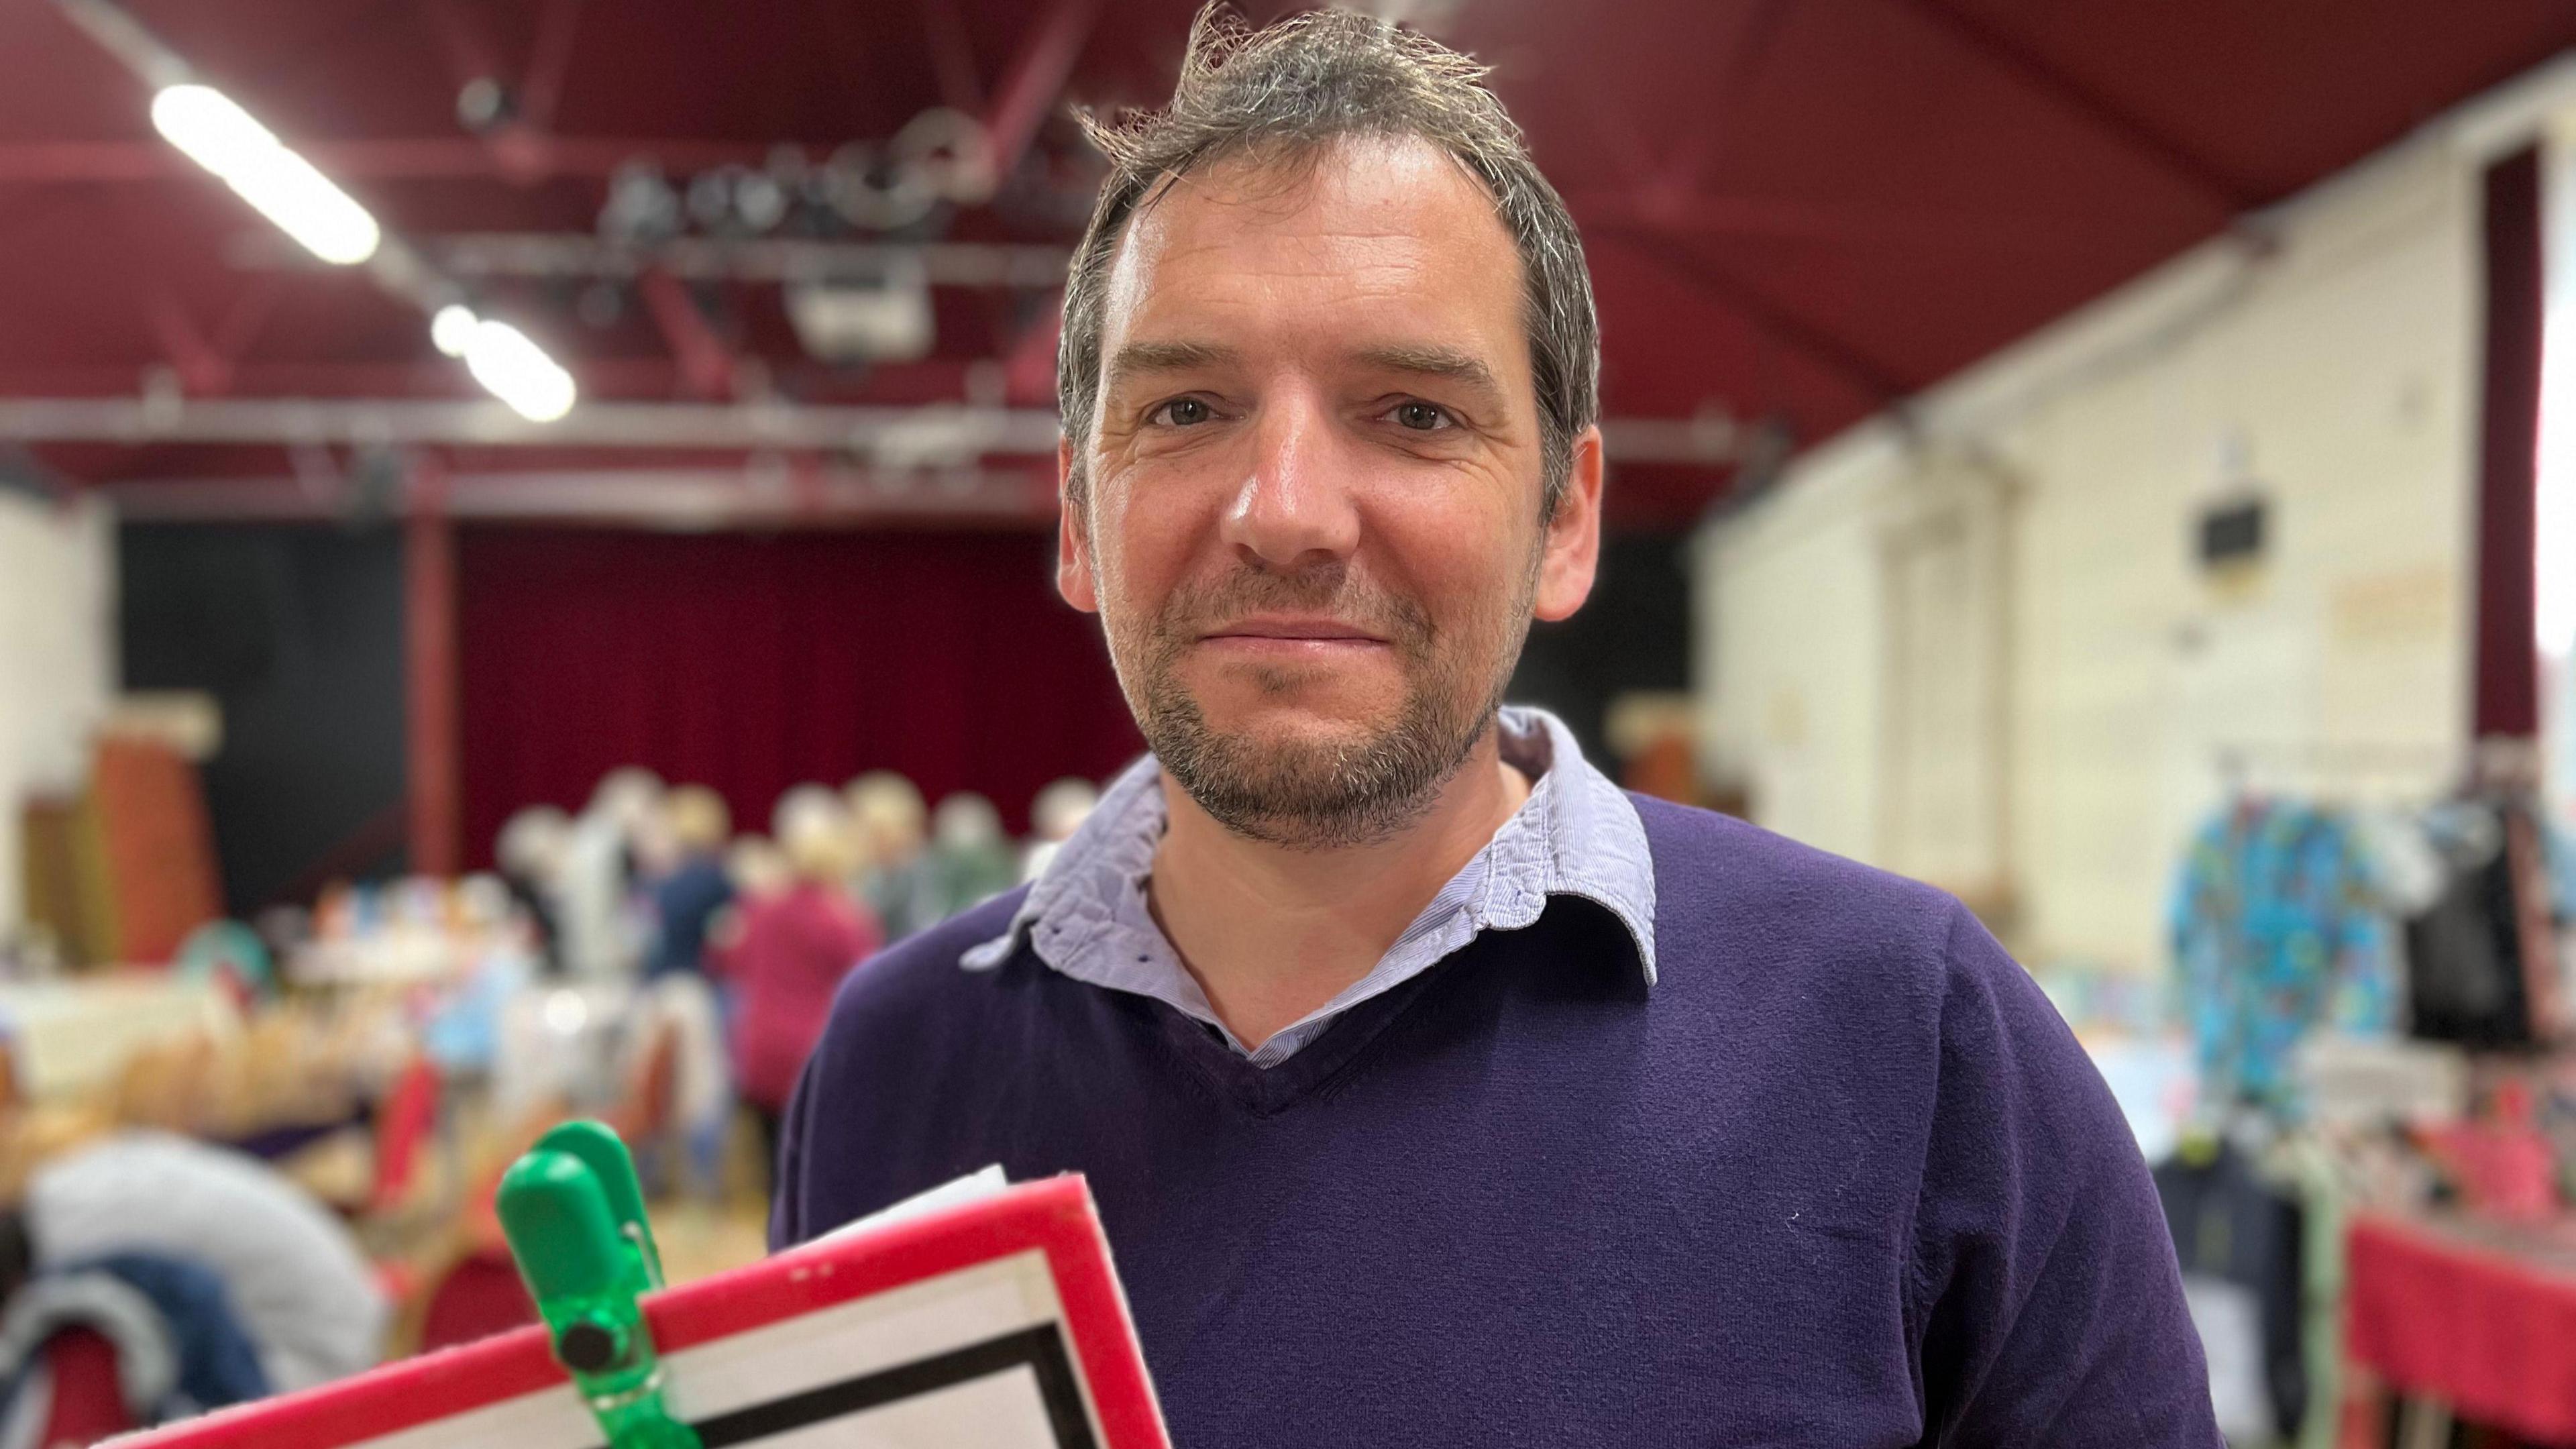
{"x":756,"y":868}
{"x":1058,"y":811}
{"x":803,"y":805}
{"x":891,"y":824}
{"x":688,"y":897}
{"x":598,"y":914}
{"x":530,"y":856}
{"x":969,"y":860}
{"x":1434,"y":1090}
{"x":793,"y":950}
{"x":692,"y":892}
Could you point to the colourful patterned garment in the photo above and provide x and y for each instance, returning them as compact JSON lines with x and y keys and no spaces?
{"x":2278,"y":928}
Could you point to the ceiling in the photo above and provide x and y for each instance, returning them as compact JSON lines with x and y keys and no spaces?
{"x":1795,"y":214}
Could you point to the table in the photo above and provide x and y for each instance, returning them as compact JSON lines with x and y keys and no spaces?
{"x":78,"y":1032}
{"x":2478,"y":1315}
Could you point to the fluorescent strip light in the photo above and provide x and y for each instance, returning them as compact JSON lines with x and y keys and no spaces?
{"x":228,"y":141}
{"x":513,"y":368}
{"x":451,"y":329}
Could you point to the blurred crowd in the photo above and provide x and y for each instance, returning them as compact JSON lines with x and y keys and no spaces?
{"x":650,"y":883}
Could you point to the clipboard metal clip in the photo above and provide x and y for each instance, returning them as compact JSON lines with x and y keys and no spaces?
{"x":573,"y":1212}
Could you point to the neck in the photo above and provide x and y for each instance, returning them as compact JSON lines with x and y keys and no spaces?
{"x":1272,"y":932}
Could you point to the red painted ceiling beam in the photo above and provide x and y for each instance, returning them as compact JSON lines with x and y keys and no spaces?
{"x":952,"y":56}
{"x":1665,"y":208}
{"x":203,"y":371}
{"x":706,"y":364}
{"x":549,"y":61}
{"x":1036,"y":81}
{"x":898,"y":384}
{"x":433,"y":158}
{"x":2008,"y":54}
{"x":1882,"y":383}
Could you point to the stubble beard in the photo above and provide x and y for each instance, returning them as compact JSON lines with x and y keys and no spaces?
{"x":1320,"y":794}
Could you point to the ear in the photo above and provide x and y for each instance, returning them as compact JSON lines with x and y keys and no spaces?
{"x":1573,"y":543}
{"x":1072,"y":538}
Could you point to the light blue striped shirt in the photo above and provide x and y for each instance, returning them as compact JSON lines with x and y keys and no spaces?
{"x":1577,"y":834}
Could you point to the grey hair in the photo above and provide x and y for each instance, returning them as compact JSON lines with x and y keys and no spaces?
{"x":1288,"y":90}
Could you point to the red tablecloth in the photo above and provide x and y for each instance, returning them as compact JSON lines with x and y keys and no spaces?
{"x":2482,"y":1316}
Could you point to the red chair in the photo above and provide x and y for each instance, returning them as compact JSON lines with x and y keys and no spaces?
{"x":481,"y":1295}
{"x":405,"y":1123}
{"x":83,"y":1402}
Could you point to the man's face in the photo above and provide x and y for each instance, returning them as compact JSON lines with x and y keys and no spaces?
{"x":1313,"y":530}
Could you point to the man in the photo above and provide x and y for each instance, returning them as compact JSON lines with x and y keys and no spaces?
{"x":1435,"y":1092}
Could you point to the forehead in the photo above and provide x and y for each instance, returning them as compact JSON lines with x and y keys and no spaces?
{"x":1366,"y":241}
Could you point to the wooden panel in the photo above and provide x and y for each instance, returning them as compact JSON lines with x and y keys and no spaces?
{"x":157,"y":846}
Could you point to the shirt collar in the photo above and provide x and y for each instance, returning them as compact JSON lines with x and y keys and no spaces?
{"x":1578,"y":834}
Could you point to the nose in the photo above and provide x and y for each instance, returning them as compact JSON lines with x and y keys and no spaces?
{"x":1294,"y":509}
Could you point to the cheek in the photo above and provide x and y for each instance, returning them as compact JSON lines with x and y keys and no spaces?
{"x":1144,"y":544}
{"x":1461,"y":557}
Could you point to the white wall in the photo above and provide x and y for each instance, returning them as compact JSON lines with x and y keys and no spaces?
{"x":57,"y":658}
{"x":2336,"y":371}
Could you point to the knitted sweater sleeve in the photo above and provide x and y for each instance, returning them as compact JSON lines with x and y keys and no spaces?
{"x":2045,"y":1294}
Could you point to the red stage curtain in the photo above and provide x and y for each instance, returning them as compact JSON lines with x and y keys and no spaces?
{"x":2507,"y":701}
{"x":751,"y":662}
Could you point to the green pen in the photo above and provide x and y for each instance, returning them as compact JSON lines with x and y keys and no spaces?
{"x":573,"y":1212}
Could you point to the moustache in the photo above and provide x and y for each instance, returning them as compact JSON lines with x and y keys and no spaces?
{"x":1336,"y":592}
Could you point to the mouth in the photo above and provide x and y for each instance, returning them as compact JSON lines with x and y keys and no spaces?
{"x":1296,"y":628}
{"x":1289,"y":637}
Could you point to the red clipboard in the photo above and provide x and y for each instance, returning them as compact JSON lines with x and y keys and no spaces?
{"x":996,"y":1324}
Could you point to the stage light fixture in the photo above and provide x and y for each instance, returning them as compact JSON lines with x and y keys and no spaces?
{"x":219,"y":135}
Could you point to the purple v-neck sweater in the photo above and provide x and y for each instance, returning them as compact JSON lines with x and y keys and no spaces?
{"x":1841,"y":1178}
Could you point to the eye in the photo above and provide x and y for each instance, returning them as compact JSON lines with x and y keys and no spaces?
{"x":1417,"y":416}
{"x":1182,"y":412}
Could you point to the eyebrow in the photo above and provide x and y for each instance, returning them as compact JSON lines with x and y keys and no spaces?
{"x":1145,"y":359}
{"x":1447,"y":363}
{"x":1148,"y":358}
